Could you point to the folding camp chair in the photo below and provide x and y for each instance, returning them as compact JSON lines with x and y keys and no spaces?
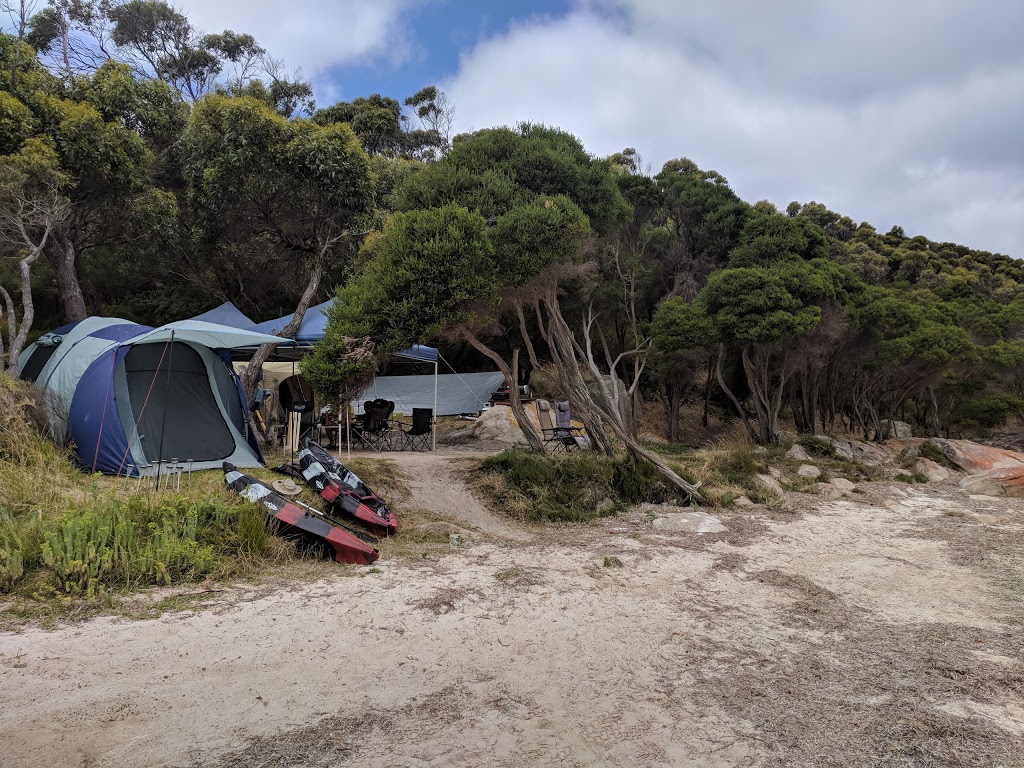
{"x":563,"y":421}
{"x":555,"y":437}
{"x":374,"y":431}
{"x":417,"y":437}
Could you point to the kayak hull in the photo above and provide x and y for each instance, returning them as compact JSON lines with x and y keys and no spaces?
{"x":295,"y":518}
{"x":343,"y":490}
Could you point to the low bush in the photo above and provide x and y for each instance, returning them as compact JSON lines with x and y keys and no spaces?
{"x":115,"y":543}
{"x":65,"y":533}
{"x":729,"y":470}
{"x":817,"y":446}
{"x":929,"y":450}
{"x":573,"y":488}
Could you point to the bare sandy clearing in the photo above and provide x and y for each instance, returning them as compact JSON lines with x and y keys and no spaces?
{"x":854,"y":634}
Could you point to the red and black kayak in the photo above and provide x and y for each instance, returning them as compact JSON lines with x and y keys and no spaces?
{"x":345,"y":543}
{"x":343,"y":490}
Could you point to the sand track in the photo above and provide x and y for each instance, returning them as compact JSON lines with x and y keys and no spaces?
{"x":853,"y":634}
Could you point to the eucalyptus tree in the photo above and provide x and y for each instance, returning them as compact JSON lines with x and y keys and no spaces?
{"x":108,"y":131}
{"x":483,"y":245}
{"x":296,"y":189}
{"x":32,"y":206}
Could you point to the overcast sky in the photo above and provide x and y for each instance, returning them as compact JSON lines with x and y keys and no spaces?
{"x":906,"y":112}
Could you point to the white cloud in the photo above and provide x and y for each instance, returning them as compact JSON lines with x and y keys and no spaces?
{"x":313,"y":34}
{"x":897,"y":113}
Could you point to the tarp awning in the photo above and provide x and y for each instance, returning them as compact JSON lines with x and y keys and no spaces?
{"x":456,"y":393}
{"x":419,"y":352}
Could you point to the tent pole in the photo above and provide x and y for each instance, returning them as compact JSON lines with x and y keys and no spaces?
{"x":433,"y":426}
{"x":348,"y":436}
{"x":163,"y":417}
{"x":339,"y":423}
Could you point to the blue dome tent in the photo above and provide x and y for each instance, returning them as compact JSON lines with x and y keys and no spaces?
{"x":127,"y":396}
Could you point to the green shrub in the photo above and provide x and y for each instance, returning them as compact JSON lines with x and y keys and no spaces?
{"x":573,"y":488}
{"x":911,"y":477}
{"x":114,"y":543}
{"x":93,"y":549}
{"x":929,"y":450}
{"x":817,"y":446}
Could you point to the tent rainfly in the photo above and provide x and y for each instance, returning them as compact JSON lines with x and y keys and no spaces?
{"x":128,"y":396}
{"x":226,"y":314}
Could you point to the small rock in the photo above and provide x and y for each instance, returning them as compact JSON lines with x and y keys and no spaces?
{"x":797,"y":453}
{"x":775,"y":472}
{"x":808,"y":470}
{"x":743,"y":501}
{"x":437,"y":528}
{"x":828,"y":490}
{"x":498,"y":425}
{"x":897,"y":429}
{"x":770,"y":483}
{"x":605,"y":506}
{"x":689,"y":522}
{"x":842,"y":448}
{"x":456,"y":540}
{"x":843,"y":484}
{"x":760,"y":450}
{"x":935,"y":473}
{"x":974,"y":517}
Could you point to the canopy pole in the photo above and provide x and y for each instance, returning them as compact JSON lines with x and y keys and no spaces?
{"x":433,"y":421}
{"x":338,"y":415}
{"x":163,"y":417}
{"x":291,"y":420}
{"x":348,"y":435}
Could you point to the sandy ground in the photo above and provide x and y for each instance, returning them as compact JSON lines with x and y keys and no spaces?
{"x":880,"y":630}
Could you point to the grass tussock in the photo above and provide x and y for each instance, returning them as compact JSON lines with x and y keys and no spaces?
{"x":67,"y":536}
{"x":729,"y":470}
{"x":35,"y":474}
{"x":119,"y":543}
{"x":574,"y":488}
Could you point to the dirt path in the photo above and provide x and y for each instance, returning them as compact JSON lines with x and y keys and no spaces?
{"x":436,"y":484}
{"x":874,"y":631}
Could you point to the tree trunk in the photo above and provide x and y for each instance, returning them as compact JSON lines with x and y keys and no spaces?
{"x":707,"y":390}
{"x":670,"y":402}
{"x":638,"y":453}
{"x":28,"y":312}
{"x":62,"y":257}
{"x":533,"y":437}
{"x":251,"y":374}
{"x":729,"y":393}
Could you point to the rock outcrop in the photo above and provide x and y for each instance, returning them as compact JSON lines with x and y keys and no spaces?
{"x":974,"y":457}
{"x":1004,"y":481}
{"x":498,"y":425}
{"x":935,"y":473}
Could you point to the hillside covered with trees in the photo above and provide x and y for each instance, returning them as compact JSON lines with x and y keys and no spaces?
{"x":151,"y":171}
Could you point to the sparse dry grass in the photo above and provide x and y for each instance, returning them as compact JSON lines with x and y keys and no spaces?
{"x":868,"y":692}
